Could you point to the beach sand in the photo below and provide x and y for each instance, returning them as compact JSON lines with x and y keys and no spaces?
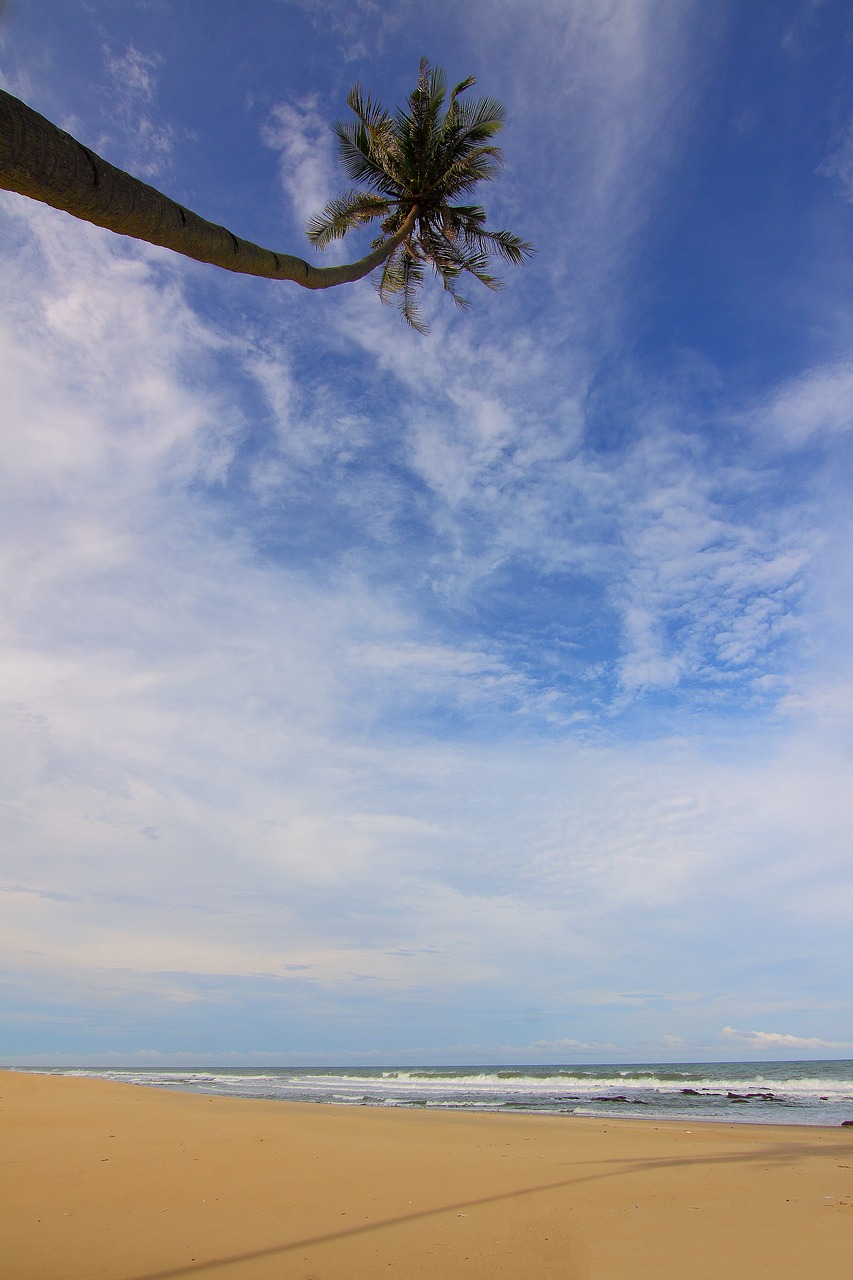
{"x":110,"y":1180}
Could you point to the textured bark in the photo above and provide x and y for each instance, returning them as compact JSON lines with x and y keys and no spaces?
{"x":43,"y":162}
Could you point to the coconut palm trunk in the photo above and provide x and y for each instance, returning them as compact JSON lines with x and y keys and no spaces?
{"x":43,"y":162}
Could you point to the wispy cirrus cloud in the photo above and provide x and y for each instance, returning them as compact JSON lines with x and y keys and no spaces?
{"x":702,"y":574}
{"x":813,"y":404}
{"x":300,"y":133}
{"x":147,"y":144}
{"x":362,"y":27}
{"x":623,"y":81}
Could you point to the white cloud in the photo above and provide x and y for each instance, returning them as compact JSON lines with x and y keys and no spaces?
{"x":816,"y":403}
{"x":302,"y":136}
{"x":567,"y":1045}
{"x":645,"y":665}
{"x":133,"y":94}
{"x":623,"y":81}
{"x":133,"y":72}
{"x":759,"y":1041}
{"x":362,"y":26}
{"x":691,"y":555}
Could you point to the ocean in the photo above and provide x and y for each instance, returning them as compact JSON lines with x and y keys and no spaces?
{"x":815,"y":1093}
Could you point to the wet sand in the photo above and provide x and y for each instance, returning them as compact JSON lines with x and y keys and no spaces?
{"x":105,"y":1180}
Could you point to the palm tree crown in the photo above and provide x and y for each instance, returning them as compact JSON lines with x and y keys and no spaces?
{"x":417,"y":162}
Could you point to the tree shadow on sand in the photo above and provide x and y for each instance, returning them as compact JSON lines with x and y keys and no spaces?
{"x":790,"y":1153}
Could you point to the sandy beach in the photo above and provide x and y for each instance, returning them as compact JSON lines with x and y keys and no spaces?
{"x":110,"y":1180}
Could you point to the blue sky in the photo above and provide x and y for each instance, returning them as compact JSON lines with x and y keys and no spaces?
{"x":479,"y":697}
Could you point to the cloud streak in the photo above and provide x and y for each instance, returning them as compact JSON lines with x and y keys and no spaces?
{"x":300,"y":133}
{"x":761,"y":1041}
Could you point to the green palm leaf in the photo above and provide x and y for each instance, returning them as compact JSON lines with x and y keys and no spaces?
{"x":356,"y":208}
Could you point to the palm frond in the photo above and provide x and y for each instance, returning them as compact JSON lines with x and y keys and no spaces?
{"x":367,"y":157}
{"x":366,"y":147}
{"x":510,"y":247}
{"x":460,"y":174}
{"x":460,"y":88}
{"x":371,"y":114}
{"x":468,"y":223}
{"x":356,"y":208}
{"x":417,"y":127}
{"x":412,"y":283}
{"x":402,"y":278}
{"x":426,"y":101}
{"x":484,"y":114}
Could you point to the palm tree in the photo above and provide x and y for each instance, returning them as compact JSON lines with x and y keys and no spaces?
{"x":426,"y":161}
{"x":43,"y":162}
{"x":414,"y":165}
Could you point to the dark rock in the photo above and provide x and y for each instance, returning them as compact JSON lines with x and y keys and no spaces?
{"x":616,"y":1097}
{"x":847,"y":1124}
{"x":692,"y":1093}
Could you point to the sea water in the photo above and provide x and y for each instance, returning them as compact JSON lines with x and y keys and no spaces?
{"x":818,"y":1093}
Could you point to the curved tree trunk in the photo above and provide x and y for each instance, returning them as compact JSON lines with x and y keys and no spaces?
{"x":43,"y":162}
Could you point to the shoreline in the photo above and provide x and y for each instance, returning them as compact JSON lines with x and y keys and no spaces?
{"x":132,"y":1182}
{"x":432,"y":1107}
{"x":816,"y":1094}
